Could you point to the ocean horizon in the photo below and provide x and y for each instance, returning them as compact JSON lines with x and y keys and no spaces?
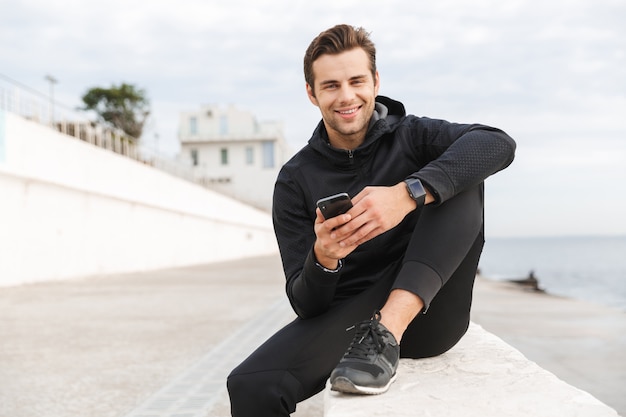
{"x":590,"y":268}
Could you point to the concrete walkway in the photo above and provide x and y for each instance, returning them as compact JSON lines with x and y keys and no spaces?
{"x":139,"y":344}
{"x":102,"y":346}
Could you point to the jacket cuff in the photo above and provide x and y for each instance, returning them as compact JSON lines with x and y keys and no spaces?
{"x":437,"y":182}
{"x":315,"y":274}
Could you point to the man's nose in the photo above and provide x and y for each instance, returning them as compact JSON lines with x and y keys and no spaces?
{"x":347,"y":93}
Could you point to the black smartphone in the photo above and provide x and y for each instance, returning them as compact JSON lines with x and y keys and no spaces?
{"x":334,"y":205}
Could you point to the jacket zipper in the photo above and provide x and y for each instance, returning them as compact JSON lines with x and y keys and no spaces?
{"x":351,"y":156}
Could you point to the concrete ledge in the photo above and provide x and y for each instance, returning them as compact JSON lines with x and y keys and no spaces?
{"x":481,"y":376}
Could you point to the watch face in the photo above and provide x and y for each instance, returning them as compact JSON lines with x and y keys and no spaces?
{"x":416,"y":190}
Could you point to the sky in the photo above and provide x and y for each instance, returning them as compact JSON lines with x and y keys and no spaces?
{"x":552,"y":74}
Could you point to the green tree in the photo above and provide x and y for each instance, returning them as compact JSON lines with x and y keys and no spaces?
{"x":125,"y":107}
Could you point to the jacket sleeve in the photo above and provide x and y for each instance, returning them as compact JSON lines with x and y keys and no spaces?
{"x":456,"y":157}
{"x":455,"y":160}
{"x":310,"y":288}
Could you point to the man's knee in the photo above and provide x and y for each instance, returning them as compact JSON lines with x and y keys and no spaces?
{"x":272,"y":392}
{"x":245,"y":392}
{"x":238,"y":385}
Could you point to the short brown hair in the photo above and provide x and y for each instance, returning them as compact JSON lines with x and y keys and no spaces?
{"x":334,"y":41}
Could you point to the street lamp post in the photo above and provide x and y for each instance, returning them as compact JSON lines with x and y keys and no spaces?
{"x":52,"y":82}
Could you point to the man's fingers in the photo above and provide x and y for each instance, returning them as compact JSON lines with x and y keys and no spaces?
{"x":366,"y":232}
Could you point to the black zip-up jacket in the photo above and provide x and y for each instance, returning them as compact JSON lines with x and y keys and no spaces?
{"x":447,"y":157}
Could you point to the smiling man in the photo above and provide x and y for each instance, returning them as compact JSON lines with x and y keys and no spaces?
{"x":393,"y":276}
{"x":345,"y":96}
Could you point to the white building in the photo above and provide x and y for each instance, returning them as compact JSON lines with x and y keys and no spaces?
{"x":233,"y":153}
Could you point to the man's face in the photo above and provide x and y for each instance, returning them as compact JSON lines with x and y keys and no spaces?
{"x":345,"y":93}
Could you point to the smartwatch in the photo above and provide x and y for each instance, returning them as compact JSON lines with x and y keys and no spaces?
{"x":416,"y":191}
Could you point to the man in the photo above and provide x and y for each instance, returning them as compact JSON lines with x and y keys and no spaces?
{"x":400,"y":263}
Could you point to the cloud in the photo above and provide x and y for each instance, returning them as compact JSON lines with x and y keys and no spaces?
{"x":549,"y":73}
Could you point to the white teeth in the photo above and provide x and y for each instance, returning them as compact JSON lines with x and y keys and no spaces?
{"x":348,"y":111}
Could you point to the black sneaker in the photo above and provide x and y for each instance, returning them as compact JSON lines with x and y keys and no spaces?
{"x":369,"y":365}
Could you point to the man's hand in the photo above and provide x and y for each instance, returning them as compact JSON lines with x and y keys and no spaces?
{"x":376,"y":210}
{"x":328,"y":246}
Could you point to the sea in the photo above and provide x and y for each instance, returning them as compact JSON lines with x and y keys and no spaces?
{"x":590,"y":268}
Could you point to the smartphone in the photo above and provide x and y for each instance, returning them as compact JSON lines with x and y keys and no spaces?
{"x":334,"y":205}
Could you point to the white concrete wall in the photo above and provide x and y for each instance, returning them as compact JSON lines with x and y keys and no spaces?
{"x":69,"y":209}
{"x":481,"y":376}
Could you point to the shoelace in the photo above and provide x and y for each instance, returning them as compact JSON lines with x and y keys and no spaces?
{"x":368,"y":338}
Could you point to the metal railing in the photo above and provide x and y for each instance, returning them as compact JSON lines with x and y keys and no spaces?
{"x":33,"y":105}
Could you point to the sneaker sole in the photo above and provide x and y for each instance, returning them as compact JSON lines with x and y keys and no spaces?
{"x":344,"y":385}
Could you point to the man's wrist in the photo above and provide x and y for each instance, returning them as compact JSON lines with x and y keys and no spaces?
{"x":428,"y":198}
{"x":329,"y":270}
{"x":326,"y":263}
{"x":416,"y":191}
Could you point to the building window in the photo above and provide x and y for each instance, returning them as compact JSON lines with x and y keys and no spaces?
{"x":268,"y":154}
{"x":193,"y":125}
{"x":249,"y":155}
{"x":194,"y":157}
{"x":224,"y":125}
{"x":224,"y":156}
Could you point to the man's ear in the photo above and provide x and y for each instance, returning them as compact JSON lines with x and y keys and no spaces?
{"x":376,"y":84}
{"x":311,"y":94}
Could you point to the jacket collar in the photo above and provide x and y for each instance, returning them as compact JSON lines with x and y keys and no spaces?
{"x":387,"y":114}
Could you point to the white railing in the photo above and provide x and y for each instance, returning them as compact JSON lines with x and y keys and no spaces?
{"x":33,"y":105}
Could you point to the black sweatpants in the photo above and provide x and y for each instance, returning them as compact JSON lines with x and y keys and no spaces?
{"x":295,"y":363}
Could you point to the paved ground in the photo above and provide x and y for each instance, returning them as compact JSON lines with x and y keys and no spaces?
{"x":101,"y":346}
{"x":135,"y":344}
{"x":584,"y":344}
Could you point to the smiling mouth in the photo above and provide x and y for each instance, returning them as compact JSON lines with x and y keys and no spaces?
{"x":349,"y":111}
